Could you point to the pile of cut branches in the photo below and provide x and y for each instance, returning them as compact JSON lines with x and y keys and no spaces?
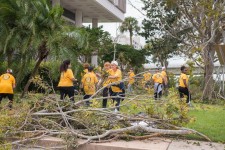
{"x":140,"y":117}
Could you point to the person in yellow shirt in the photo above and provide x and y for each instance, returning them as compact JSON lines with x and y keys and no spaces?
{"x":146,"y":80}
{"x":89,"y":82}
{"x":66,"y":81}
{"x":116,"y":77}
{"x":85,"y":66}
{"x":84,"y":71}
{"x":131,"y":80}
{"x":183,"y":85}
{"x":107,"y":90}
{"x":158,"y":80}
{"x":7,"y":84}
{"x":165,"y":79}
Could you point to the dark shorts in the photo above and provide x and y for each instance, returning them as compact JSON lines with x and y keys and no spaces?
{"x":3,"y":95}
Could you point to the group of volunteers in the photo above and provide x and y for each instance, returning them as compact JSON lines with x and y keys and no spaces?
{"x":110,"y":74}
{"x":109,"y":79}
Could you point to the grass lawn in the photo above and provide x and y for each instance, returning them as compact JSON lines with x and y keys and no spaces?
{"x":209,"y":120}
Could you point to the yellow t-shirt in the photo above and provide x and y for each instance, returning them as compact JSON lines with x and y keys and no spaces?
{"x":183,"y":77}
{"x":107,"y":81}
{"x":147,"y":76}
{"x":66,"y":78}
{"x":83,"y":73}
{"x":157,"y":78}
{"x":89,"y":80}
{"x":7,"y":81}
{"x":131,"y":79}
{"x":119,"y":77}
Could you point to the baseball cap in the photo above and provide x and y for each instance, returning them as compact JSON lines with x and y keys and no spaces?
{"x":114,"y":62}
{"x":9,"y":71}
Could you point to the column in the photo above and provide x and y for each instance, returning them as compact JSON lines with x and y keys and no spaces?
{"x":94,"y":57}
{"x":94,"y":22}
{"x":78,"y":18}
{"x":55,"y":2}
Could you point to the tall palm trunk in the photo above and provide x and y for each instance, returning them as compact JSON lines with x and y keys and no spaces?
{"x":42,"y":54}
{"x":131,"y":37}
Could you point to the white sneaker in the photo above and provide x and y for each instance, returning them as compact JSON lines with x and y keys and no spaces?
{"x":115,"y":110}
{"x":189,"y":104}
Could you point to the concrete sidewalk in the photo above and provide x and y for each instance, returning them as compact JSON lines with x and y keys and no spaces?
{"x":154,"y":144}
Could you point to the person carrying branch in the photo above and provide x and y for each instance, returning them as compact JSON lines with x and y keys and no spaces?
{"x":183,"y":85}
{"x":115,"y":77}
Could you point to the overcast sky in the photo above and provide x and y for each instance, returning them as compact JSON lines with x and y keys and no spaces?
{"x":131,"y":11}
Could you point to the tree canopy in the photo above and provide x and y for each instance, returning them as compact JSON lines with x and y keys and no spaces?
{"x":196,"y":25}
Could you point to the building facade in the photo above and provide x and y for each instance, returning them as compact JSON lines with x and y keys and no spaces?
{"x":125,"y":40}
{"x":92,"y":11}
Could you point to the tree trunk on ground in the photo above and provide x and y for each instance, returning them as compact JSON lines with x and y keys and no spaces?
{"x":208,"y":76}
{"x":43,"y":53}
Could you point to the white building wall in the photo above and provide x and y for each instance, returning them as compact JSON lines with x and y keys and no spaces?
{"x":125,"y":40}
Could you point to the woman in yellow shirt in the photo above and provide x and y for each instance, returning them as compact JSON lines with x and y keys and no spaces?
{"x":66,"y":81}
{"x":116,"y":77}
{"x":183,"y":85}
{"x":7,"y":84}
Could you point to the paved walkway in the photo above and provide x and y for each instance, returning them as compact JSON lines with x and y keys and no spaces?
{"x":155,"y":144}
{"x":150,"y":144}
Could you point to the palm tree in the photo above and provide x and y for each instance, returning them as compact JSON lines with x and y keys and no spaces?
{"x":50,"y":33}
{"x":130,"y":24}
{"x":39,"y":28}
{"x":11,"y":30}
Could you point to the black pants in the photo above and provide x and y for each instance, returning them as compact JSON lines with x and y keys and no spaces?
{"x":184,"y":91}
{"x":64,"y":91}
{"x":105,"y":93}
{"x":3,"y":95}
{"x":157,"y":95}
{"x":10,"y":97}
{"x":117,"y":99}
{"x":87,"y":97}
